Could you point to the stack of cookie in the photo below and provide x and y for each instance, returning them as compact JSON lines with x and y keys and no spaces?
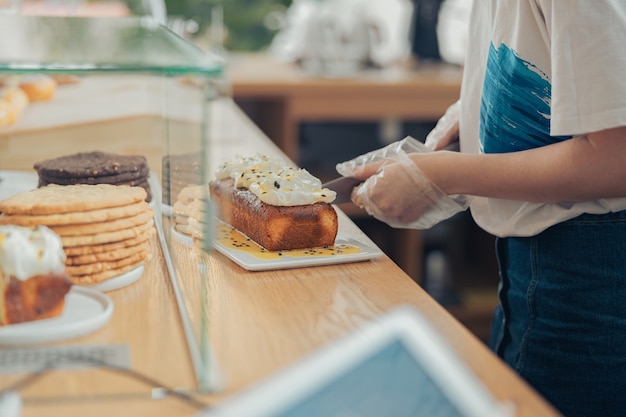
{"x":95,"y":168}
{"x":105,"y":230}
{"x":180,"y":171}
{"x":191,"y":211}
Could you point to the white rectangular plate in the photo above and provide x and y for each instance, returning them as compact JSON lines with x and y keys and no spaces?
{"x":287,"y":261}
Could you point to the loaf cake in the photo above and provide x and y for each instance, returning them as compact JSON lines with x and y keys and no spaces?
{"x":33,"y":280}
{"x":277,"y":206}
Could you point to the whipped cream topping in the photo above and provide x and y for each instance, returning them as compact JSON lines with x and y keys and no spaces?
{"x":26,"y":252}
{"x":275,"y":182}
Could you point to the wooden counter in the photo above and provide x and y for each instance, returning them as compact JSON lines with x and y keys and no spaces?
{"x":258,"y":322}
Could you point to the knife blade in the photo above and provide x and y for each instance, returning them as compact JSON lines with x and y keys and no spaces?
{"x":343,"y":186}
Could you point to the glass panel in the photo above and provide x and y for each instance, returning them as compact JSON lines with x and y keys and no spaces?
{"x":123,"y":87}
{"x":46,"y":43}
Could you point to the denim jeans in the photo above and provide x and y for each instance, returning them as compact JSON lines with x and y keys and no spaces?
{"x":561,"y":320}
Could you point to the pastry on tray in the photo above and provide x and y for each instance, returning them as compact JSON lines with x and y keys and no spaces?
{"x":277,"y":206}
{"x":105,"y":229}
{"x":38,"y":87}
{"x":33,"y":277}
{"x":13,"y":101}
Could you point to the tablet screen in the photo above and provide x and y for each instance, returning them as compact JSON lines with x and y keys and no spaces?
{"x":388,"y":383}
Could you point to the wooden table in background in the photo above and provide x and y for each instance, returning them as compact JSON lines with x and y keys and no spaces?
{"x":288,"y":96}
{"x":260,"y":322}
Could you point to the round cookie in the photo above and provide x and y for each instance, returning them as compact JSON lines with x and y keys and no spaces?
{"x":91,"y":164}
{"x":102,"y":227}
{"x":123,"y":177}
{"x":106,"y":237}
{"x":104,"y":275}
{"x":56,"y":199}
{"x":108,"y":256}
{"x":141,"y":182}
{"x":81,"y":250}
{"x":101,"y":266}
{"x":76,"y":217}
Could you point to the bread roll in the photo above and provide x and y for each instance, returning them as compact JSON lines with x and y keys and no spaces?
{"x":13,"y":101}
{"x":38,"y":87}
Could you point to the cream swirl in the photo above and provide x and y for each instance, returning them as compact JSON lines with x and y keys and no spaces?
{"x":274,"y":182}
{"x":26,"y":252}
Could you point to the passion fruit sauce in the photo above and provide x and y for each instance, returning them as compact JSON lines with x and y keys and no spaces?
{"x":231,"y":238}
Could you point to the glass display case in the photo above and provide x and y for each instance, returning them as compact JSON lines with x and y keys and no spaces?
{"x":139,"y":106}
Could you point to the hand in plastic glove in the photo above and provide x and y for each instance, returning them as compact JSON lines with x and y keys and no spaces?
{"x":396,"y":191}
{"x":446,"y":131}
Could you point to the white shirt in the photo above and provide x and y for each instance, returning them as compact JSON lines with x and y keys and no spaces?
{"x":541,"y":71}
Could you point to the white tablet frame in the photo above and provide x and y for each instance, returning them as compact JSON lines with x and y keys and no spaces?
{"x":294,"y":383}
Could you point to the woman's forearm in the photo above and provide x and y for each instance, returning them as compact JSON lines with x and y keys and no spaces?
{"x":583,"y":168}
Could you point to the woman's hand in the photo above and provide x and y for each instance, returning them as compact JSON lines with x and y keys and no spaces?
{"x":396,"y":191}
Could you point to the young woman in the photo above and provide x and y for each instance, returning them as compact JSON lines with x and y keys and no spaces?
{"x":543,"y":158}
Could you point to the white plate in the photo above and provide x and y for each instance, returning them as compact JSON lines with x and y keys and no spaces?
{"x":86,"y":310}
{"x":181,"y":237}
{"x":289,"y":260}
{"x":119,"y":281}
{"x":15,"y":182}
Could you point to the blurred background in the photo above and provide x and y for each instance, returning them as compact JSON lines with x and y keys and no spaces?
{"x":346,"y":41}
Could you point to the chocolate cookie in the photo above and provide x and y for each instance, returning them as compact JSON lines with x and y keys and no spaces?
{"x":91,"y":164}
{"x":123,"y":177}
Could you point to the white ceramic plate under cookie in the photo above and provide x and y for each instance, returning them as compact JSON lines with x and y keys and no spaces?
{"x":119,"y":281}
{"x":15,"y":182}
{"x":86,"y":310}
{"x":346,"y":250}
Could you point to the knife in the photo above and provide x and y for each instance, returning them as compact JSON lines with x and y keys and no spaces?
{"x":343,"y":186}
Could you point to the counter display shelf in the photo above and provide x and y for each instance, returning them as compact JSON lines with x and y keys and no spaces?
{"x":125,"y":87}
{"x":196,"y":327}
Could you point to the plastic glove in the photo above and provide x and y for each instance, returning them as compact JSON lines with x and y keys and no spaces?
{"x":446,"y":131}
{"x":396,"y":191}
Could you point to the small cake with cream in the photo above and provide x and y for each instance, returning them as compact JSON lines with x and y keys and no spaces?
{"x":33,"y":280}
{"x":278,"y":206}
